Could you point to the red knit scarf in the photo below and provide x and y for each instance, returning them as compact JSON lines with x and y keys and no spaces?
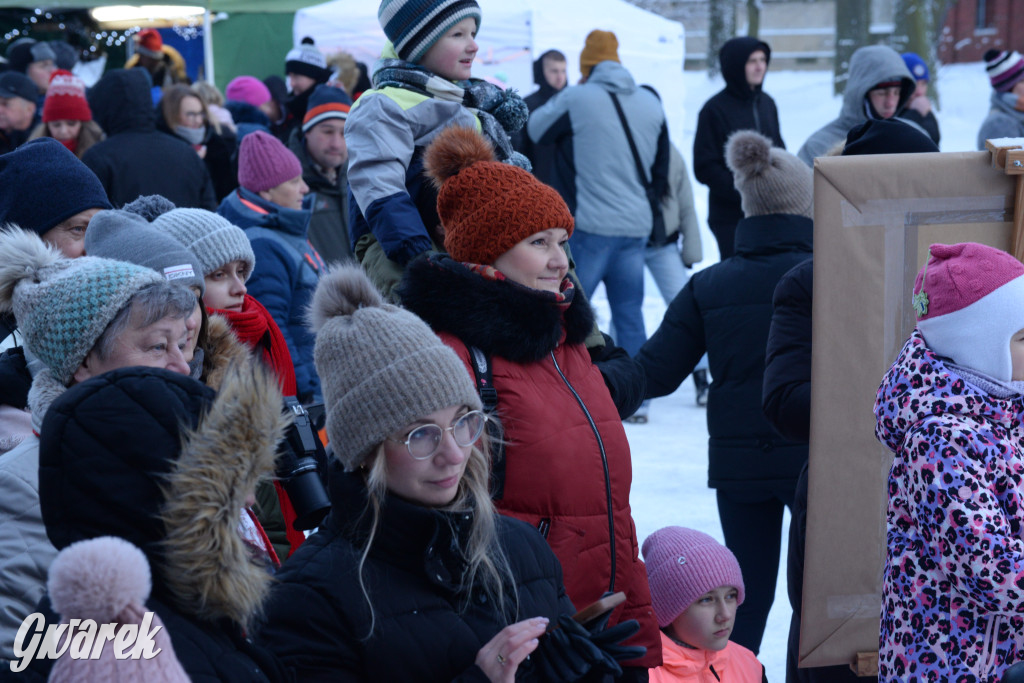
{"x":256,"y":329}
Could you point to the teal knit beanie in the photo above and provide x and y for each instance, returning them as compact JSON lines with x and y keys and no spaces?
{"x":63,"y":305}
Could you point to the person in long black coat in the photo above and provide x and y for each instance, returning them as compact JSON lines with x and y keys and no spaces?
{"x":741,"y":105}
{"x":725,"y":310}
{"x":136,"y":159}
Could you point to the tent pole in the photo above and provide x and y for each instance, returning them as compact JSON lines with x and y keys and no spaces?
{"x":208,"y":43}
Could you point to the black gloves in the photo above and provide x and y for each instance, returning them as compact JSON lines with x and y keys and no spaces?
{"x":570,"y":651}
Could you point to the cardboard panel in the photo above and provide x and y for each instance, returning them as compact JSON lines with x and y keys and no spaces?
{"x":874,"y":218}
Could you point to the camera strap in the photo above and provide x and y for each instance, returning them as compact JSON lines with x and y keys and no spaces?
{"x":484,"y":378}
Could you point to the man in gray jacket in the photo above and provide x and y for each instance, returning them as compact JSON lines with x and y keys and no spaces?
{"x":878,"y":86}
{"x":598,"y":178}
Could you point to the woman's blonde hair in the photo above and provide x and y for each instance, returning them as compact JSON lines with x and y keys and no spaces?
{"x":170,"y":106}
{"x":488,"y":566}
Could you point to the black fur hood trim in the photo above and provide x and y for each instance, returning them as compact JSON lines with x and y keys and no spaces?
{"x":501,"y":318}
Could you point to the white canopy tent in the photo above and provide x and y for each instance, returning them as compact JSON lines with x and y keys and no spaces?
{"x":516,"y":32}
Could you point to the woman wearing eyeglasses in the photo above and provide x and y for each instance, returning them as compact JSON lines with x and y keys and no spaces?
{"x":503,"y":289}
{"x":413,"y":576}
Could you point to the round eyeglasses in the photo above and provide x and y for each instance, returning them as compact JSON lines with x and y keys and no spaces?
{"x":424,"y":441}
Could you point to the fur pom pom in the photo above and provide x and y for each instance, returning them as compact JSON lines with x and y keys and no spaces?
{"x":454,"y":149}
{"x":22,"y":255}
{"x":150,"y":206}
{"x":748,"y":153}
{"x":513,"y":112}
{"x":97,"y":579}
{"x":341,"y":291}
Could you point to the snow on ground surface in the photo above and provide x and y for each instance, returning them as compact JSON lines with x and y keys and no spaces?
{"x":670,"y":452}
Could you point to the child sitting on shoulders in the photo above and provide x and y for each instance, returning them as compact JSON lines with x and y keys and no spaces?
{"x":696,"y":586}
{"x":421,"y":85}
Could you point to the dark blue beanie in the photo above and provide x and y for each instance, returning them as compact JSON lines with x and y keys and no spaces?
{"x":43,"y":184}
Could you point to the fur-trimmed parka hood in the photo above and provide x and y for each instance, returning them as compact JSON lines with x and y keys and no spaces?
{"x":499,"y":317}
{"x":222,"y":349}
{"x":158,"y":459}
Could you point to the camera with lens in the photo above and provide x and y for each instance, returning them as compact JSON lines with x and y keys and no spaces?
{"x":298,"y":468}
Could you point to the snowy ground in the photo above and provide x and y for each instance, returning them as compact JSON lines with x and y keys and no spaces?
{"x":670,"y":452}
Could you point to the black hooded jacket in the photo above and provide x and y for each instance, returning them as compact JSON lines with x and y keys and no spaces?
{"x":136,"y":159}
{"x":735,"y":107}
{"x":540,"y":155}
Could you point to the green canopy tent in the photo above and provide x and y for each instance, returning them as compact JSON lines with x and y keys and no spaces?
{"x":252,"y":40}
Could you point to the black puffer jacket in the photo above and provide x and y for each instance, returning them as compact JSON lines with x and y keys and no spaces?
{"x":787,"y":371}
{"x":735,"y":107}
{"x":136,"y":159}
{"x":111,"y":463}
{"x":726,"y":310}
{"x":426,"y":627}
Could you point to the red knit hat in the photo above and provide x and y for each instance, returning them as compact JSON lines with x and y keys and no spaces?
{"x":486,"y":206}
{"x":969,"y":300}
{"x":65,"y":99}
{"x":150,"y":43}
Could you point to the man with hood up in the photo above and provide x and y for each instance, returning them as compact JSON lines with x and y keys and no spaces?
{"x":549,"y":74}
{"x":878,"y":86}
{"x":136,"y":159}
{"x":740,"y":105}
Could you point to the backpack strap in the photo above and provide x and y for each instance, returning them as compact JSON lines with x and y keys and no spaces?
{"x":484,"y":378}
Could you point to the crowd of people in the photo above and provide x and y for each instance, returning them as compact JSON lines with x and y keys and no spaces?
{"x":307,"y":369}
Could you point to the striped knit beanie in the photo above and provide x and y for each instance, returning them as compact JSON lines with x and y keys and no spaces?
{"x":63,"y":305}
{"x":326,"y":102}
{"x":1005,"y":69}
{"x":413,"y":26}
{"x":213,"y":239}
{"x":684,"y":564}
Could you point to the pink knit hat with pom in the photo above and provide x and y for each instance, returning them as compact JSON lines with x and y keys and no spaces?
{"x":969,"y":300}
{"x":107,"y":579}
{"x":684,"y":564}
{"x":264,"y":162}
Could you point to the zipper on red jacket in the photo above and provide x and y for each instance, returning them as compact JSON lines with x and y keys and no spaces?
{"x":604,"y":462}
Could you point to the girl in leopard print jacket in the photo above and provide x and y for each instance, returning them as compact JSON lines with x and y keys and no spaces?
{"x":950,"y":409}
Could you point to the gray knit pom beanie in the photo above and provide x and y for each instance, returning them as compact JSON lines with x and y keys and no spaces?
{"x":126,"y":236}
{"x":769,"y":179}
{"x":63,"y":305}
{"x":212,"y":238}
{"x":380,"y":366}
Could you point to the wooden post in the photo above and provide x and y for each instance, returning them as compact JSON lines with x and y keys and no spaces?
{"x":1008,"y":155}
{"x":865,"y":664}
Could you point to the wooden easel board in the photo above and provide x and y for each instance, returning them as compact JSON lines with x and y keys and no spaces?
{"x":874,"y":218}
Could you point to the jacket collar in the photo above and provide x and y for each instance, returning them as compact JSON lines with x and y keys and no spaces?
{"x":499,"y":317}
{"x":292,"y":221}
{"x":418,"y":539}
{"x":774,"y":233}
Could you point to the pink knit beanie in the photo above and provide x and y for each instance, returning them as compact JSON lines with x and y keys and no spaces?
{"x":969,"y":300}
{"x":107,"y":579}
{"x":264,"y":162}
{"x":684,"y":564}
{"x":248,"y":89}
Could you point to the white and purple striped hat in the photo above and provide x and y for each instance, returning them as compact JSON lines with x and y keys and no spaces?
{"x":1005,"y":69}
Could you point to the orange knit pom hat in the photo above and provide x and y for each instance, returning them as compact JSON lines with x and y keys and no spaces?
{"x":486,"y":206}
